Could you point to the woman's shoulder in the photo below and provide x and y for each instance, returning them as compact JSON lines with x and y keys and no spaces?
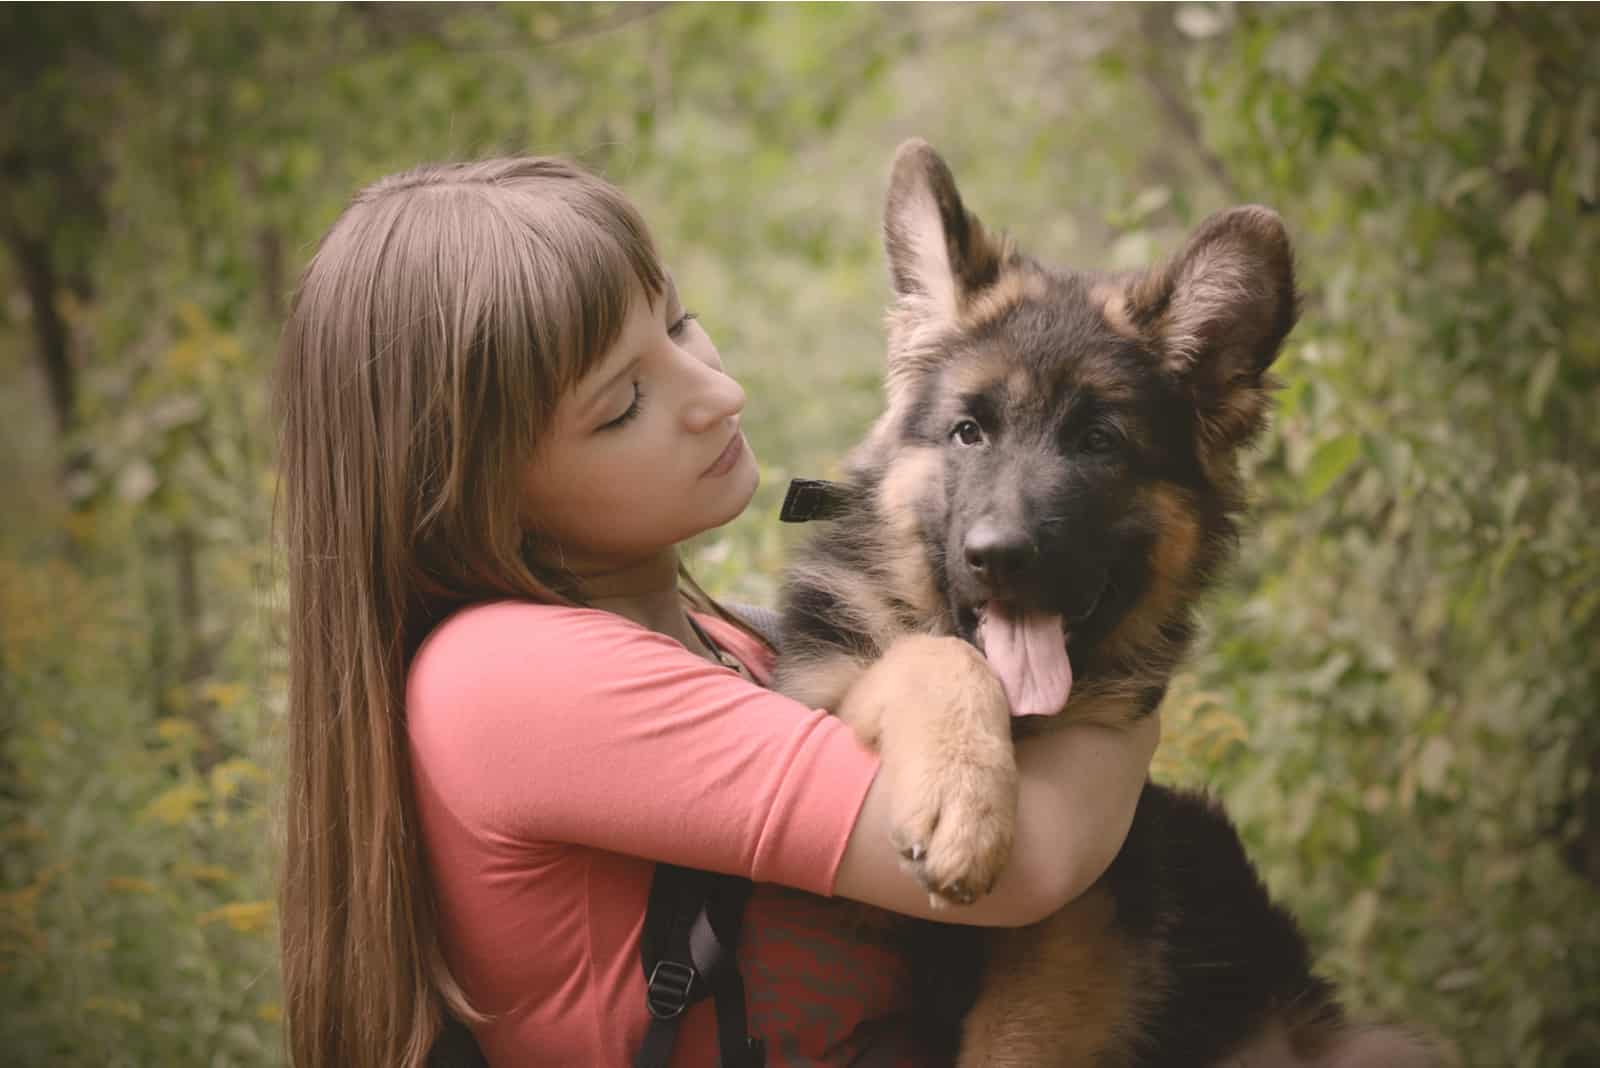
{"x":476,"y":620}
{"x":505,"y":645}
{"x":509,"y":646}
{"x":495,"y":630}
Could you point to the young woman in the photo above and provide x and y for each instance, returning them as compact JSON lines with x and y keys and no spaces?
{"x":507,"y":702}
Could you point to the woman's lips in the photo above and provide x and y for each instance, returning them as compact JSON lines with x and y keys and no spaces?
{"x":730,"y":456}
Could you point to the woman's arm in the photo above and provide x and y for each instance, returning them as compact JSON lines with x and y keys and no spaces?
{"x":537,"y":726}
{"x":1077,"y":788}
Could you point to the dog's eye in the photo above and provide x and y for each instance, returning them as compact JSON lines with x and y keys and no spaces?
{"x":1097,"y":440}
{"x":967,"y":432}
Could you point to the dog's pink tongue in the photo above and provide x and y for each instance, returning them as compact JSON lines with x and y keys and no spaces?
{"x":1029,"y":653}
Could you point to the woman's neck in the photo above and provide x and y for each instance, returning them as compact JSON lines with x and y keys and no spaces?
{"x":647,"y":593}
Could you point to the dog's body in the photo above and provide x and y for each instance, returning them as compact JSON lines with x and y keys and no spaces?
{"x":1055,"y":479}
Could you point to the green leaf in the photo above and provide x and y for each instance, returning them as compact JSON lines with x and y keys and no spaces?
{"x":1514,"y":117}
{"x":1539,"y":382}
{"x":1289,"y":400}
{"x":1522,"y":222}
{"x":1433,"y":763}
{"x":1330,"y":460}
{"x":1586,"y":153}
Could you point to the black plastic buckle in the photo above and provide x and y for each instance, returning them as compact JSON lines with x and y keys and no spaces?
{"x":667,"y":994}
{"x":812,"y":498}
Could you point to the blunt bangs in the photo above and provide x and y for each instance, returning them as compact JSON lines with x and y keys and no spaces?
{"x":578,"y":263}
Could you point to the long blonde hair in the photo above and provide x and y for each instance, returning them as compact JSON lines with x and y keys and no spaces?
{"x":441,"y":319}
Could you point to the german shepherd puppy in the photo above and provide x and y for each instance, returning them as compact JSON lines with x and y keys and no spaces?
{"x":1055,"y":482}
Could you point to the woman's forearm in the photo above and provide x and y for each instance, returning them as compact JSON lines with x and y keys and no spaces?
{"x":1077,"y":790}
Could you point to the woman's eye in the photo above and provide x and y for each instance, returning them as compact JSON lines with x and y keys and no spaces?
{"x":633,"y":410}
{"x":1097,"y":440}
{"x":680,"y":324}
{"x":967,"y":432}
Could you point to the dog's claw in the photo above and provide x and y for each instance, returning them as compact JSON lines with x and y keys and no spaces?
{"x":956,"y":840}
{"x":960,"y":893}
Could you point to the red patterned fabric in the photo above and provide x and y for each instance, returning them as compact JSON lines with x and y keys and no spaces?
{"x":822,"y":989}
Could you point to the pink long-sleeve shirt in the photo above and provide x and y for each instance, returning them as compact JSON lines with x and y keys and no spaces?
{"x":558,"y":753}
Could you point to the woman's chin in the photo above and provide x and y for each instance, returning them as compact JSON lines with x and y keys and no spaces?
{"x":739,"y":491}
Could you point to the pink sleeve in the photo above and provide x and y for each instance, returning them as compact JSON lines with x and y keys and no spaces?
{"x":538,"y":724}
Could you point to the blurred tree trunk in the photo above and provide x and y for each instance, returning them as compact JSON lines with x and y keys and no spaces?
{"x":52,"y":204}
{"x":52,"y":346}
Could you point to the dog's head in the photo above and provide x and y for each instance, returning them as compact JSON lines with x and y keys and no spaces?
{"x":1068,"y":441}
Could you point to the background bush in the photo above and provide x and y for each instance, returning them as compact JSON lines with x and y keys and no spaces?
{"x":1398,"y":689}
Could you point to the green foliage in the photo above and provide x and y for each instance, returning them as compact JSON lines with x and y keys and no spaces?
{"x":1396,"y":696}
{"x":1415,"y":650}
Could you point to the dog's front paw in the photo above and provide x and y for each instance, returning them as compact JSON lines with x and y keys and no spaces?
{"x":941,"y":722}
{"x":955,"y":817}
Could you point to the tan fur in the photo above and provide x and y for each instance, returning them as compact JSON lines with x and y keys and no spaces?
{"x":1171,"y":574}
{"x":1021,"y":385}
{"x":1108,"y":704}
{"x":819,"y":681}
{"x":1059,"y":993}
{"x":977,"y":373}
{"x":1239,"y":411}
{"x":900,"y":502}
{"x":1113,"y":304}
{"x":914,"y":347}
{"x":941,"y":724}
{"x":1211,"y":280}
{"x":863,"y":610}
{"x":1386,"y":1046}
{"x":1180,"y":305}
{"x":1374,"y":1047}
{"x":991,"y":302}
{"x":930,"y":254}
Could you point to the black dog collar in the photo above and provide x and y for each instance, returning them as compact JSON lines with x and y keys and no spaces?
{"x":812,"y":498}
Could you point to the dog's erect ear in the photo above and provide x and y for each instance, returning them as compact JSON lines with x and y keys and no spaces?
{"x":1221,"y":308}
{"x":1216,"y":314}
{"x":939,"y":254}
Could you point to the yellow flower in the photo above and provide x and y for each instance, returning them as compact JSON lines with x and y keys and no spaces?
{"x":23,"y":833}
{"x":227,"y":776}
{"x":175,"y":729}
{"x":176,"y":805}
{"x":242,"y":916}
{"x":129,"y":884}
{"x":128,"y":1010}
{"x":205,"y":873}
{"x":20,"y":905}
{"x":224,"y":694}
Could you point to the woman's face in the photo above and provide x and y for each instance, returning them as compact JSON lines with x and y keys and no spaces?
{"x":645,"y":451}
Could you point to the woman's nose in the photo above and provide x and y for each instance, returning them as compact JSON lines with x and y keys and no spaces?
{"x":719,"y":399}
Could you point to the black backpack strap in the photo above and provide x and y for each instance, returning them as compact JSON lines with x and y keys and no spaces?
{"x":455,"y":1048}
{"x":691,"y":929}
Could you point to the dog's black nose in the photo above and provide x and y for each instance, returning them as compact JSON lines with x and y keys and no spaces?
{"x":997,"y":553}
